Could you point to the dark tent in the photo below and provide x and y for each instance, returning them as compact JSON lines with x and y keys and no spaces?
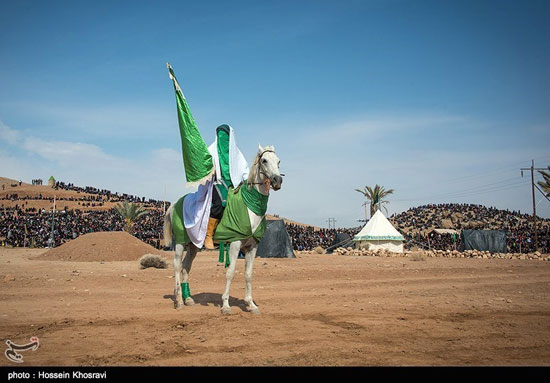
{"x":275,"y":242}
{"x":491,"y":240}
{"x":340,"y":240}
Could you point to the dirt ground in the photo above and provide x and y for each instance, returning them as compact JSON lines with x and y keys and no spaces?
{"x":316,"y":310}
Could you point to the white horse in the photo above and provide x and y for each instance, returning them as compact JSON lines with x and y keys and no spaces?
{"x":264,"y":175}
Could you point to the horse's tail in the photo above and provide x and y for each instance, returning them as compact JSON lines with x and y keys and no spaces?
{"x":168,"y":226}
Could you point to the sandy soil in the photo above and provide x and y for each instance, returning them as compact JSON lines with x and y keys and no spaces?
{"x":315,"y":310}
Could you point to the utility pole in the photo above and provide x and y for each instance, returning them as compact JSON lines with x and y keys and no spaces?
{"x":333,"y":220}
{"x":534,"y":204}
{"x":532,"y":169}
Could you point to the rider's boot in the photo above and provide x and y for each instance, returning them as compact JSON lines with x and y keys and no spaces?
{"x":209,"y":242}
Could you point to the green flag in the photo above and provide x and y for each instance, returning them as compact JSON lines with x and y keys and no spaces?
{"x":197,"y":161}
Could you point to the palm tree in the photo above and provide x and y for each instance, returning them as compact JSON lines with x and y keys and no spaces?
{"x":130,"y":212}
{"x":375,"y":198}
{"x":545,"y":185}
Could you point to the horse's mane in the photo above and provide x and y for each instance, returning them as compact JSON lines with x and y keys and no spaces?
{"x":254,"y":169}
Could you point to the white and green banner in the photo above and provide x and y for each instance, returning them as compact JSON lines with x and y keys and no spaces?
{"x":197,"y":161}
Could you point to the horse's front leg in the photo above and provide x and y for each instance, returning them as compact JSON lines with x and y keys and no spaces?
{"x":234,"y":249}
{"x":178,"y":275}
{"x":187,"y":263}
{"x":249,"y":271}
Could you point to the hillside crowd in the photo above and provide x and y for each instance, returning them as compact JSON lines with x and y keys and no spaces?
{"x":107,"y":195}
{"x":84,"y":201}
{"x":417,"y":224}
{"x":21,"y":226}
{"x":306,"y":238}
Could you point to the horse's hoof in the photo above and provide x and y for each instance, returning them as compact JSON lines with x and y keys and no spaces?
{"x":178,"y":306}
{"x":189,"y":301}
{"x":254,"y":310}
{"x":226,"y":310}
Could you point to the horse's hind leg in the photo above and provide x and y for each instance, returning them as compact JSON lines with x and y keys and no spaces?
{"x":178,"y":275}
{"x":187,"y":262}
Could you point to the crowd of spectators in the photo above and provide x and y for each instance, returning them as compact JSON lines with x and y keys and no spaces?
{"x":85,"y":200}
{"x":34,"y":228}
{"x":306,"y":238}
{"x":24,"y":226}
{"x":417,"y":224}
{"x":433,"y":241}
{"x":107,"y":195}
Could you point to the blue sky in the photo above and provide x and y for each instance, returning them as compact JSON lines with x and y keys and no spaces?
{"x":443,"y":101}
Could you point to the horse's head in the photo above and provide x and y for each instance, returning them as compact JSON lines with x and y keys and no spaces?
{"x":266,"y":167}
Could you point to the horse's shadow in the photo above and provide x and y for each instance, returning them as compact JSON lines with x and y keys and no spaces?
{"x":206,"y":299}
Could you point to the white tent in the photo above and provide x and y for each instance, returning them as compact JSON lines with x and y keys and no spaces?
{"x":379,"y":233}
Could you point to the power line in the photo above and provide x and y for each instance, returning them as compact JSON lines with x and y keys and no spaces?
{"x":481,"y":189}
{"x":489,"y":186}
{"x":486,"y":190}
{"x":478,"y":175}
{"x":509,"y":167}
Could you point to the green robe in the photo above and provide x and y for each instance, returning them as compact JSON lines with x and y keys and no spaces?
{"x":222,"y":133}
{"x":223,"y":153}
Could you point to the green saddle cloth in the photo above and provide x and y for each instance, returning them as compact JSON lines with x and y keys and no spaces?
{"x":178,"y":229}
{"x":235,"y":223}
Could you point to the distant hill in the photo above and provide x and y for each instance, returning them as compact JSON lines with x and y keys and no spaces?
{"x":8,"y":182}
{"x":27,"y":196}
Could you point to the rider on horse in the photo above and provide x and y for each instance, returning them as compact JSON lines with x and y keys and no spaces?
{"x":231,"y":170}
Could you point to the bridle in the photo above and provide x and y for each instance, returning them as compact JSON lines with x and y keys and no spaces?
{"x":258,"y":163}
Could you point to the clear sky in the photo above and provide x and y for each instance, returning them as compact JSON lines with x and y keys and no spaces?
{"x":443,"y":101}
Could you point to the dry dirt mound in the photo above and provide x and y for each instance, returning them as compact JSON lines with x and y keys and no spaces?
{"x":101,"y":246}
